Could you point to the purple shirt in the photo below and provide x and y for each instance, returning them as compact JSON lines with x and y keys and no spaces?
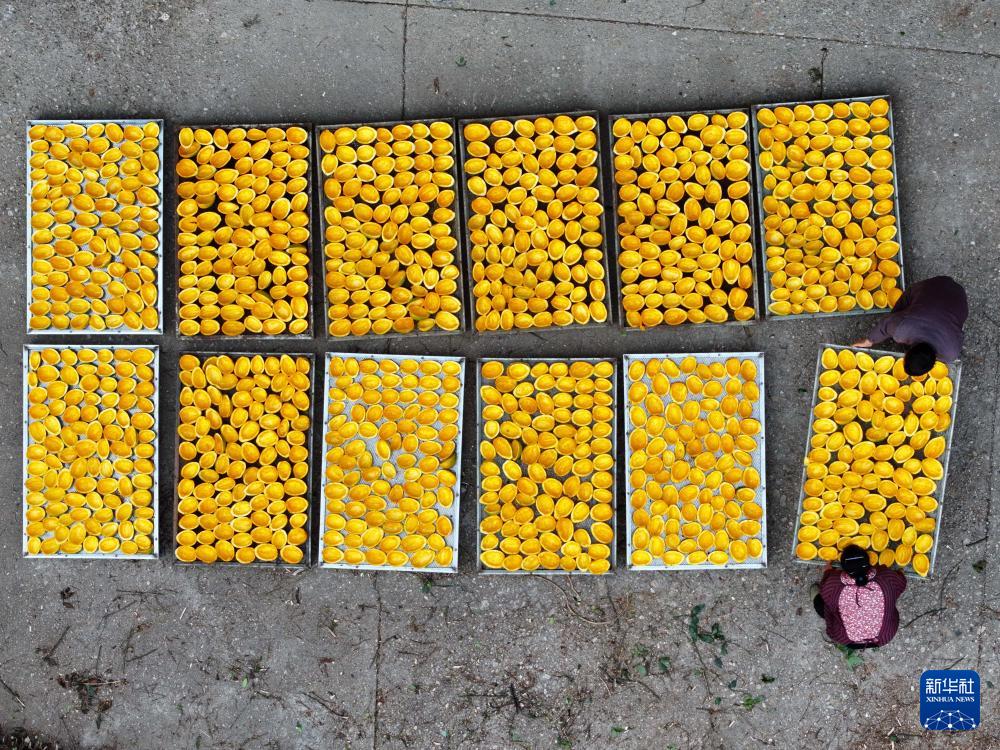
{"x":932,"y":311}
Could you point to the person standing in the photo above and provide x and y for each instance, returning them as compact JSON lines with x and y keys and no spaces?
{"x":927,"y":319}
{"x":858,"y":601}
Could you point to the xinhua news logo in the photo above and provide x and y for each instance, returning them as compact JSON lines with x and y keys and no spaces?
{"x":949,"y":699}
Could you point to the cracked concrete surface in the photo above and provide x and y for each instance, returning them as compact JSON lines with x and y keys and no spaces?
{"x":229,"y":658}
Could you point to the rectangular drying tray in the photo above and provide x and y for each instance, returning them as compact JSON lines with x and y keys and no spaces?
{"x":310,"y":245}
{"x":457,"y":227}
{"x":759,"y":462}
{"x":756,"y":262}
{"x":616,"y":379}
{"x":310,"y":522}
{"x":601,"y":184}
{"x":123,"y":331}
{"x":954,"y":372}
{"x":155,"y":489}
{"x":454,"y":515}
{"x":760,"y":194}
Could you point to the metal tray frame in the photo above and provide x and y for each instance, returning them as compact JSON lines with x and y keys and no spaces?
{"x":455,"y":514}
{"x":161,"y":189}
{"x":457,"y":228}
{"x":616,"y":379}
{"x":307,"y":560}
{"x":756,"y":263}
{"x":602,"y":184}
{"x":155,"y":489}
{"x":759,"y":455}
{"x":761,"y":193}
{"x":955,"y":373}
{"x":310,"y":245}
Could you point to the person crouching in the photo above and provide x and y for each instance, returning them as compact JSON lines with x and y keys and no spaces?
{"x":858,"y":601}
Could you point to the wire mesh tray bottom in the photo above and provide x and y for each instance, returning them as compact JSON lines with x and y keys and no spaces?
{"x":395,"y":510}
{"x":63,"y":350}
{"x":748,"y":368}
{"x":140,"y":234}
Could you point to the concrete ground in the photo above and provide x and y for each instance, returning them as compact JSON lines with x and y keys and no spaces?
{"x":226,"y":658}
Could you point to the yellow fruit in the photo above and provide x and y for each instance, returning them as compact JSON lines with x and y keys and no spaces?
{"x":547,"y":466}
{"x":812,"y":161}
{"x":718,"y":557}
{"x":932,"y":468}
{"x":543,"y":263}
{"x":390,"y":189}
{"x":90,"y":452}
{"x":246,"y":488}
{"x":872,"y":480}
{"x":879,"y":540}
{"x":706,"y":502}
{"x":697,"y":557}
{"x":738,"y":550}
{"x":924,"y":543}
{"x":935,"y":447}
{"x":245,"y":191}
{"x":95,"y":215}
{"x":641,"y":557}
{"x":492,"y":559}
{"x":829,"y":553}
{"x":689,"y":192}
{"x":673,"y":557}
{"x":806,"y":551}
{"x":808,"y":534}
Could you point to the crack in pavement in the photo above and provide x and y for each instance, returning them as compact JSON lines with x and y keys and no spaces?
{"x":377,"y":660}
{"x":983,"y":607}
{"x":402,"y":70}
{"x":686,"y":27}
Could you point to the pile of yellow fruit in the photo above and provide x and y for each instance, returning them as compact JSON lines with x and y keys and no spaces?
{"x":95,"y":225}
{"x":91,"y":451}
{"x":547,"y":455}
{"x":686,"y":235}
{"x":694,"y":453}
{"x":829,"y":207}
{"x":389,"y":246}
{"x":243,"y":444}
{"x":393,"y":440}
{"x":873,"y":465}
{"x":535,"y":222}
{"x":243,"y":231}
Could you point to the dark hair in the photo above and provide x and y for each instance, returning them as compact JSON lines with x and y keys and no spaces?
{"x":855,"y":563}
{"x":919,"y":359}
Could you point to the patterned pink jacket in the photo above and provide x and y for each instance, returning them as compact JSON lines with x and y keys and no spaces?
{"x":867,"y":613}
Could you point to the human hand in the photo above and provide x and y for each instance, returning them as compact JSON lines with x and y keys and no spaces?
{"x":863,"y":343}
